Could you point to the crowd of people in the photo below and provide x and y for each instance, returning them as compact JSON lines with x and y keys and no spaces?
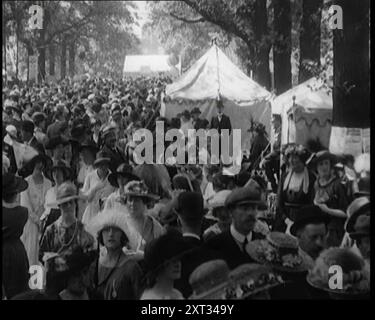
{"x":103,"y":227}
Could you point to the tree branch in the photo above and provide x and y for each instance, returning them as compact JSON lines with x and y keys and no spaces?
{"x":187,"y":20}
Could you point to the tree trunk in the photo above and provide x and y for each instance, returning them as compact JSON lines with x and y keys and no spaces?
{"x":351,"y":66}
{"x":63,"y":57}
{"x":71,"y":59}
{"x":282,"y":48}
{"x":52,"y":58}
{"x":309,"y":37}
{"x":42,"y":64}
{"x":17,"y":56}
{"x":262,"y":68}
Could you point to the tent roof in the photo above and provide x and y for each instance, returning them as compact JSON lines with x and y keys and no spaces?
{"x":212,"y":74}
{"x":310,"y":94}
{"x":146,"y":64}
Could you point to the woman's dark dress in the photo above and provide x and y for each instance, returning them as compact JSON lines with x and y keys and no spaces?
{"x":334,"y":196}
{"x":289,"y":202}
{"x":15,"y":262}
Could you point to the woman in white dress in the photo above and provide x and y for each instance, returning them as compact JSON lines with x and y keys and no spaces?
{"x":33,"y":198}
{"x":96,"y":188}
{"x":147,"y":227}
{"x":88,"y":152}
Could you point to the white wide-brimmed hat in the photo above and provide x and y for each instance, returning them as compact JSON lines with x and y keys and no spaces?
{"x":113,"y":218}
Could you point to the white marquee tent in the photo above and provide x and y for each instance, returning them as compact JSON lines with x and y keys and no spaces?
{"x":214,"y":75}
{"x":306,"y":113}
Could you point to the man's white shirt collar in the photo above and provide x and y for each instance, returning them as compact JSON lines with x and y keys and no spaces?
{"x":238,"y":236}
{"x":193,"y":235}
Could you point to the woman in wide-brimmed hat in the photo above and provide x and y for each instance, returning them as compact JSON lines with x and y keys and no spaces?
{"x":116,"y":274}
{"x":355,"y":277}
{"x":330,"y":196}
{"x":97,"y":188}
{"x":147,"y":227}
{"x":163,"y":266}
{"x":34,"y":199}
{"x":67,"y":275}
{"x":15,"y":264}
{"x":296,"y":187}
{"x":60,"y":173}
{"x":67,"y":232}
{"x":119,"y":179}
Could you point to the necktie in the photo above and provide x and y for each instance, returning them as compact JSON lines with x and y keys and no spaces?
{"x":244,"y":244}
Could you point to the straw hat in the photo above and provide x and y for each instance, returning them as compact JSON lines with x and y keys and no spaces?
{"x":250,"y":279}
{"x":280,"y":251}
{"x":65,"y":193}
{"x":210,"y":280}
{"x":139,"y":189}
{"x":356,"y":280}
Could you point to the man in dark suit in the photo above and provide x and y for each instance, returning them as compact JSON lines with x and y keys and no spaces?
{"x":242,"y":204}
{"x":110,"y":149}
{"x":197,"y":122}
{"x":221,"y":121}
{"x":190,"y":212}
{"x":28,"y":137}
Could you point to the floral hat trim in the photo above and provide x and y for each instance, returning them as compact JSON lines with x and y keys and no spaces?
{"x":241,"y":290}
{"x":263,"y":252}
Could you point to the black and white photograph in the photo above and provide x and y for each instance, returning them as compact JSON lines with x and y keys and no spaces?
{"x":186,"y":150}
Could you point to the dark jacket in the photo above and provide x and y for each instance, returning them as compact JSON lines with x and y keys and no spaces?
{"x":223,"y":124}
{"x":229,"y":249}
{"x":197,"y":255}
{"x":9,"y":152}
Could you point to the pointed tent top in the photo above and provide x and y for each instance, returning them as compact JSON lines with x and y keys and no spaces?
{"x":214,"y":73}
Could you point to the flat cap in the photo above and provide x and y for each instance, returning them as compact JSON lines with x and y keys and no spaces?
{"x":248,"y":194}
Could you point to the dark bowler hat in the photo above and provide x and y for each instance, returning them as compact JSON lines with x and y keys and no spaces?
{"x":186,"y":114}
{"x":13,"y":184}
{"x":310,"y":214}
{"x":195,"y":111}
{"x":248,"y":194}
{"x":125,"y":170}
{"x":190,"y":204}
{"x":55,"y":141}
